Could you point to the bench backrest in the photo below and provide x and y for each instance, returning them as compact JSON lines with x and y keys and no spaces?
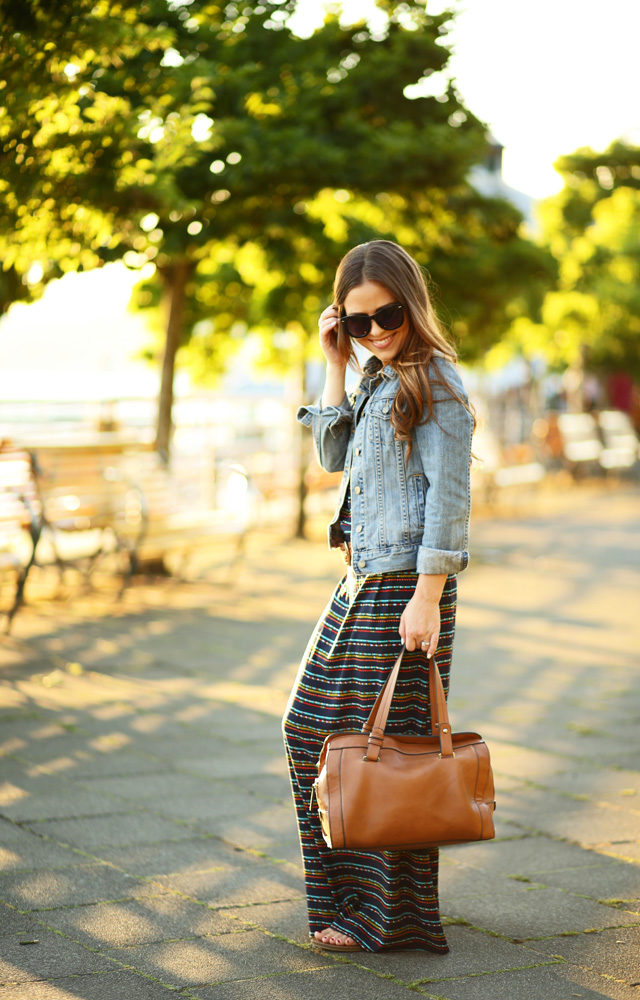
{"x":580,"y":438}
{"x":19,"y":501}
{"x":79,"y":482}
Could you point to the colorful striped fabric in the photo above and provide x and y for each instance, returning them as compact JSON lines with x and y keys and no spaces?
{"x":382,"y":899}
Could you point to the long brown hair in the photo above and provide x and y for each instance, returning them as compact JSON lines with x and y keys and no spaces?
{"x":388,"y":264}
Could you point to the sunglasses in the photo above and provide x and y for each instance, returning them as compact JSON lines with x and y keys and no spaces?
{"x":388,"y":317}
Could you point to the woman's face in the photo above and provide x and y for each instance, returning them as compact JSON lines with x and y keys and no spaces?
{"x":367,"y":298}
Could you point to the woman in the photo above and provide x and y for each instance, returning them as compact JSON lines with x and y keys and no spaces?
{"x":404,"y":442}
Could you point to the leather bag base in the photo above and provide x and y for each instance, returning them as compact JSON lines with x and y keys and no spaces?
{"x":410,"y":798}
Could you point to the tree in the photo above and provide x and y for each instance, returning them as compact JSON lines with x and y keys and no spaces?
{"x":592,"y":318}
{"x":236,"y":162}
{"x":161,"y":129}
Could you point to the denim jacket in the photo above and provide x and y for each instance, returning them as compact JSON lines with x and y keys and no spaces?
{"x":403,"y":516}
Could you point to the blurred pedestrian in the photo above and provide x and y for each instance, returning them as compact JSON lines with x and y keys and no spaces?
{"x":403,"y":439}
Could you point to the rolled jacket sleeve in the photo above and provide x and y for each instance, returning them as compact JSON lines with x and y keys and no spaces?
{"x":331,"y":428}
{"x":444,"y":444}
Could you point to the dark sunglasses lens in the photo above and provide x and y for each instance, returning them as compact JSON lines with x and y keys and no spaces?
{"x":358,"y":325}
{"x":390,"y":317}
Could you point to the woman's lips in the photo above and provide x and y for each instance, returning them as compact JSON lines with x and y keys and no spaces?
{"x":382,"y":343}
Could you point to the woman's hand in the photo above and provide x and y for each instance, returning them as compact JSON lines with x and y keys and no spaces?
{"x":328,"y":329}
{"x":420,"y":621}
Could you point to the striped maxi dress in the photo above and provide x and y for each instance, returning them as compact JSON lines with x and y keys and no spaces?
{"x":382,"y":899}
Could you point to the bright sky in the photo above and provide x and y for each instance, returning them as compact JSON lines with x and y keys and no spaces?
{"x":546,"y":77}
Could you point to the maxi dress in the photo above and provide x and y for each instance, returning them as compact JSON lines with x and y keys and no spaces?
{"x":382,"y":899}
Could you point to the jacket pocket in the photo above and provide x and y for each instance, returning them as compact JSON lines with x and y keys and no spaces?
{"x":417,"y":489}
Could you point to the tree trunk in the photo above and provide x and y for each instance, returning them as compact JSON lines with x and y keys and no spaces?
{"x":175,"y":277}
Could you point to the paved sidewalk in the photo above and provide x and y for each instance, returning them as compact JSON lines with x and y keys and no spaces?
{"x":147,"y":836}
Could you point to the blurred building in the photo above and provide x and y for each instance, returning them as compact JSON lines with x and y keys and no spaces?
{"x":488,"y":180}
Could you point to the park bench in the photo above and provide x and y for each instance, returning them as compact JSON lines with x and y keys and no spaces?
{"x":621,"y":449}
{"x":119,"y":497}
{"x":495,"y":469}
{"x":188,"y":505}
{"x":20,"y":521}
{"x":581,"y":444}
{"x":90,"y":508}
{"x":592,"y":443}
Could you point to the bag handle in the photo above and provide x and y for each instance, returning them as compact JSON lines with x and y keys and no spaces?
{"x":375,"y":724}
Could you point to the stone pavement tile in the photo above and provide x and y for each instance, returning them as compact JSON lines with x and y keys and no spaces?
{"x":258,"y":829}
{"x":288,"y":919}
{"x":122,"y":828}
{"x":505,"y":783}
{"x":526,"y":856}
{"x":30,"y":851}
{"x":14,"y":922}
{"x":247,"y":883}
{"x":344,"y":982}
{"x":287,"y":849}
{"x":232,"y":763}
{"x":199,"y":853}
{"x":60,"y":751}
{"x":543,"y":983}
{"x":51,"y":957}
{"x":267,"y":784}
{"x":193,"y":746}
{"x":239,"y":726}
{"x":152,"y":786}
{"x":217,"y":959}
{"x":100,"y":986}
{"x":626,"y":739}
{"x":614,"y":952}
{"x":561,"y":816}
{"x":621,"y":787}
{"x":625,"y":850}
{"x":80,"y":756}
{"x":460,"y":880}
{"x":530,"y":912}
{"x":140,"y":921}
{"x":602,"y":985}
{"x":22,"y":778}
{"x":41,"y":889}
{"x":506,"y":830}
{"x":213,"y":807}
{"x":471,"y":951}
{"x":20,"y":735}
{"x":11,"y":833}
{"x":120,"y":763}
{"x":607,"y":880}
{"x":579,"y":749}
{"x":62,"y":801}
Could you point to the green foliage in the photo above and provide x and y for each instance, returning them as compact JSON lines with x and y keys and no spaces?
{"x":593,"y":229}
{"x":207,"y":134}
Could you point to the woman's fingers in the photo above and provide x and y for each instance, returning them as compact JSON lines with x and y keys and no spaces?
{"x":328,"y":318}
{"x":402,"y":629}
{"x":433,"y":644}
{"x":427,"y":643}
{"x":328,"y":330}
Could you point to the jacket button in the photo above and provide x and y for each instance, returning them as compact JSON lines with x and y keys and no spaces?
{"x":359,"y":528}
{"x":361,"y":564}
{"x":357,"y":451}
{"x":357,"y":490}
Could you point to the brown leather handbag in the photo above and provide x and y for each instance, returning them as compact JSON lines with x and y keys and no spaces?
{"x":378,"y":790}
